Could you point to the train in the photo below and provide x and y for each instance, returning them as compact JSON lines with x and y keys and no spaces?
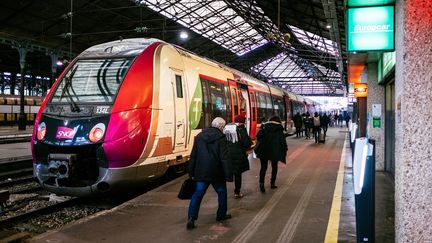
{"x":125,"y":111}
{"x":10,"y":109}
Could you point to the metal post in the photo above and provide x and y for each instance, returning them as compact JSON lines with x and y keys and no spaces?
{"x":54,"y":59}
{"x":22,"y":119}
{"x":365,"y":202}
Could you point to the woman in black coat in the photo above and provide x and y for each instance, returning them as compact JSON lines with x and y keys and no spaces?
{"x":238,"y":142}
{"x":271,"y":146}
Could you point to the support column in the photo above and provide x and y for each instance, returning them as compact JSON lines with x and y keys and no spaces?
{"x":22,"y":119}
{"x":413,"y":85}
{"x":54,"y":59}
{"x":376,"y":96}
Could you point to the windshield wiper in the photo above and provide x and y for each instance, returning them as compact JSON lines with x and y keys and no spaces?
{"x":68,"y":84}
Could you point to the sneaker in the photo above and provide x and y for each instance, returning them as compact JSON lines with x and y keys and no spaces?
{"x":190,"y":224}
{"x":225,"y":217}
{"x":238,"y":195}
{"x":262,"y":189}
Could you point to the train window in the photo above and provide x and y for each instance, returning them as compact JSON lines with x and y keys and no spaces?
{"x":279,"y":107}
{"x":269,"y":106}
{"x":234,"y":96}
{"x":217,"y":99}
{"x":92,"y":81}
{"x":288,"y":108}
{"x":205,"y":116}
{"x":261,"y":103}
{"x":179,"y":86}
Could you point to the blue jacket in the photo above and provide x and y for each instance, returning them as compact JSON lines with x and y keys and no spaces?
{"x":209,"y":157}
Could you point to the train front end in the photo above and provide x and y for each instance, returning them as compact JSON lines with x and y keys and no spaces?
{"x":92,"y":128}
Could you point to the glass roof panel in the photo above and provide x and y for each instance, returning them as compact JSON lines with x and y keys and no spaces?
{"x":315,"y":41}
{"x":284,"y":72}
{"x":212,"y":19}
{"x":280,"y":66}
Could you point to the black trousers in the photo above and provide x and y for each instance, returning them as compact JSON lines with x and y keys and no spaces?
{"x":263,"y":170}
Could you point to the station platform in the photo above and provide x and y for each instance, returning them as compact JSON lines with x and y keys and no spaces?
{"x":314,"y":202}
{"x":15,"y":151}
{"x":11,"y":134}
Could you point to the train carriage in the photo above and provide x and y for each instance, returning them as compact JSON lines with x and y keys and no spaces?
{"x":123,"y":112}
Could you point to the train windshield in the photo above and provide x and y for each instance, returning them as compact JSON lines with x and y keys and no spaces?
{"x":92,"y":81}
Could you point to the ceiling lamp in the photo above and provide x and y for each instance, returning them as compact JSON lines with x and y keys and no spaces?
{"x":184,"y":35}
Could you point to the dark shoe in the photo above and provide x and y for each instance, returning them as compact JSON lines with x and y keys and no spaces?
{"x":225,"y":217}
{"x":273,"y":186}
{"x":190,"y":224}
{"x":262,"y":189}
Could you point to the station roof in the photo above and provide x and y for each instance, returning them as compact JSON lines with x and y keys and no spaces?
{"x":298,"y":45}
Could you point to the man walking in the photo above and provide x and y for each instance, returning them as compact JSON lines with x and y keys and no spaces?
{"x":209,"y":165}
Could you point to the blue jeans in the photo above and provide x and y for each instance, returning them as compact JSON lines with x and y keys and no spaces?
{"x":201,"y":188}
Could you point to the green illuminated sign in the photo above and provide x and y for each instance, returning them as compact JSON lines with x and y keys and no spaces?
{"x":363,"y":3}
{"x":385,"y":64}
{"x":371,"y":29}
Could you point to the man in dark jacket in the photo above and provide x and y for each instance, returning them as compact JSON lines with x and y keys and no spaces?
{"x":272,"y":146}
{"x":298,"y":122}
{"x":325,"y":120}
{"x":238,"y":142}
{"x":209,"y":165}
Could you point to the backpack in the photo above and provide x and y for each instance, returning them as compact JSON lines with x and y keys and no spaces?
{"x":316,"y":121}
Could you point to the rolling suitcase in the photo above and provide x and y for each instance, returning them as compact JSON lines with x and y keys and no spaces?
{"x":321,"y":138}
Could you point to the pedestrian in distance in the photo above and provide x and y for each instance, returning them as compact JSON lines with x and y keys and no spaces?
{"x":308,"y":124}
{"x":347,"y":119}
{"x":298,"y":122}
{"x":271,"y":146}
{"x":238,"y":143}
{"x":316,"y":126}
{"x":209,"y":165}
{"x":325,"y":120}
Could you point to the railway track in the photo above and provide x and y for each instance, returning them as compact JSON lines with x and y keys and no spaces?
{"x":32,"y":211}
{"x":38,"y":212}
{"x":15,"y":167}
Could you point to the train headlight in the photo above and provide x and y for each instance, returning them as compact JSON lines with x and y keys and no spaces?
{"x":97,"y":132}
{"x":41,"y":131}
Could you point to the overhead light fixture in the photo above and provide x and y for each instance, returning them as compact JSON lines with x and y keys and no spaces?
{"x":328,"y":26}
{"x":59,"y":63}
{"x":184,"y":35}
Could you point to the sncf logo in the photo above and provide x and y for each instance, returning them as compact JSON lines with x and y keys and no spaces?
{"x":65,"y":132}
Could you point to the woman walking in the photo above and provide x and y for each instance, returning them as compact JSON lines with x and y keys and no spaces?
{"x":271,"y":146}
{"x":238,"y":142}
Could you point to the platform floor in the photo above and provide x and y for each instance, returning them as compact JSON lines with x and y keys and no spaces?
{"x":314,"y":203}
{"x":15,"y":151}
{"x":12,"y":131}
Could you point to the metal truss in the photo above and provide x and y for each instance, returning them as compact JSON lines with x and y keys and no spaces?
{"x":301,"y":49}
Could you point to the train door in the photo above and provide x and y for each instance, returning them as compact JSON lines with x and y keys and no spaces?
{"x":244,"y":105}
{"x":254,"y":116}
{"x":180,"y":112}
{"x":289,"y":125}
{"x":234,"y":99}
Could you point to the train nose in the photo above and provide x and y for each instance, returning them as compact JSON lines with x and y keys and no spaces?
{"x":58,"y":169}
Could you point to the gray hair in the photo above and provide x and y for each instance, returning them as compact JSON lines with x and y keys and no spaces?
{"x":219,"y":123}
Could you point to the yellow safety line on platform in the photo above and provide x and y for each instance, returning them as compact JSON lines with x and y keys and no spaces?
{"x":333,"y":223}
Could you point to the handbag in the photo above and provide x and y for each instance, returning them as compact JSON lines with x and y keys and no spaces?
{"x":187,"y":189}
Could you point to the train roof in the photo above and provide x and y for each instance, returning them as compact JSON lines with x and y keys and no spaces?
{"x":125,"y":47}
{"x":134,"y":46}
